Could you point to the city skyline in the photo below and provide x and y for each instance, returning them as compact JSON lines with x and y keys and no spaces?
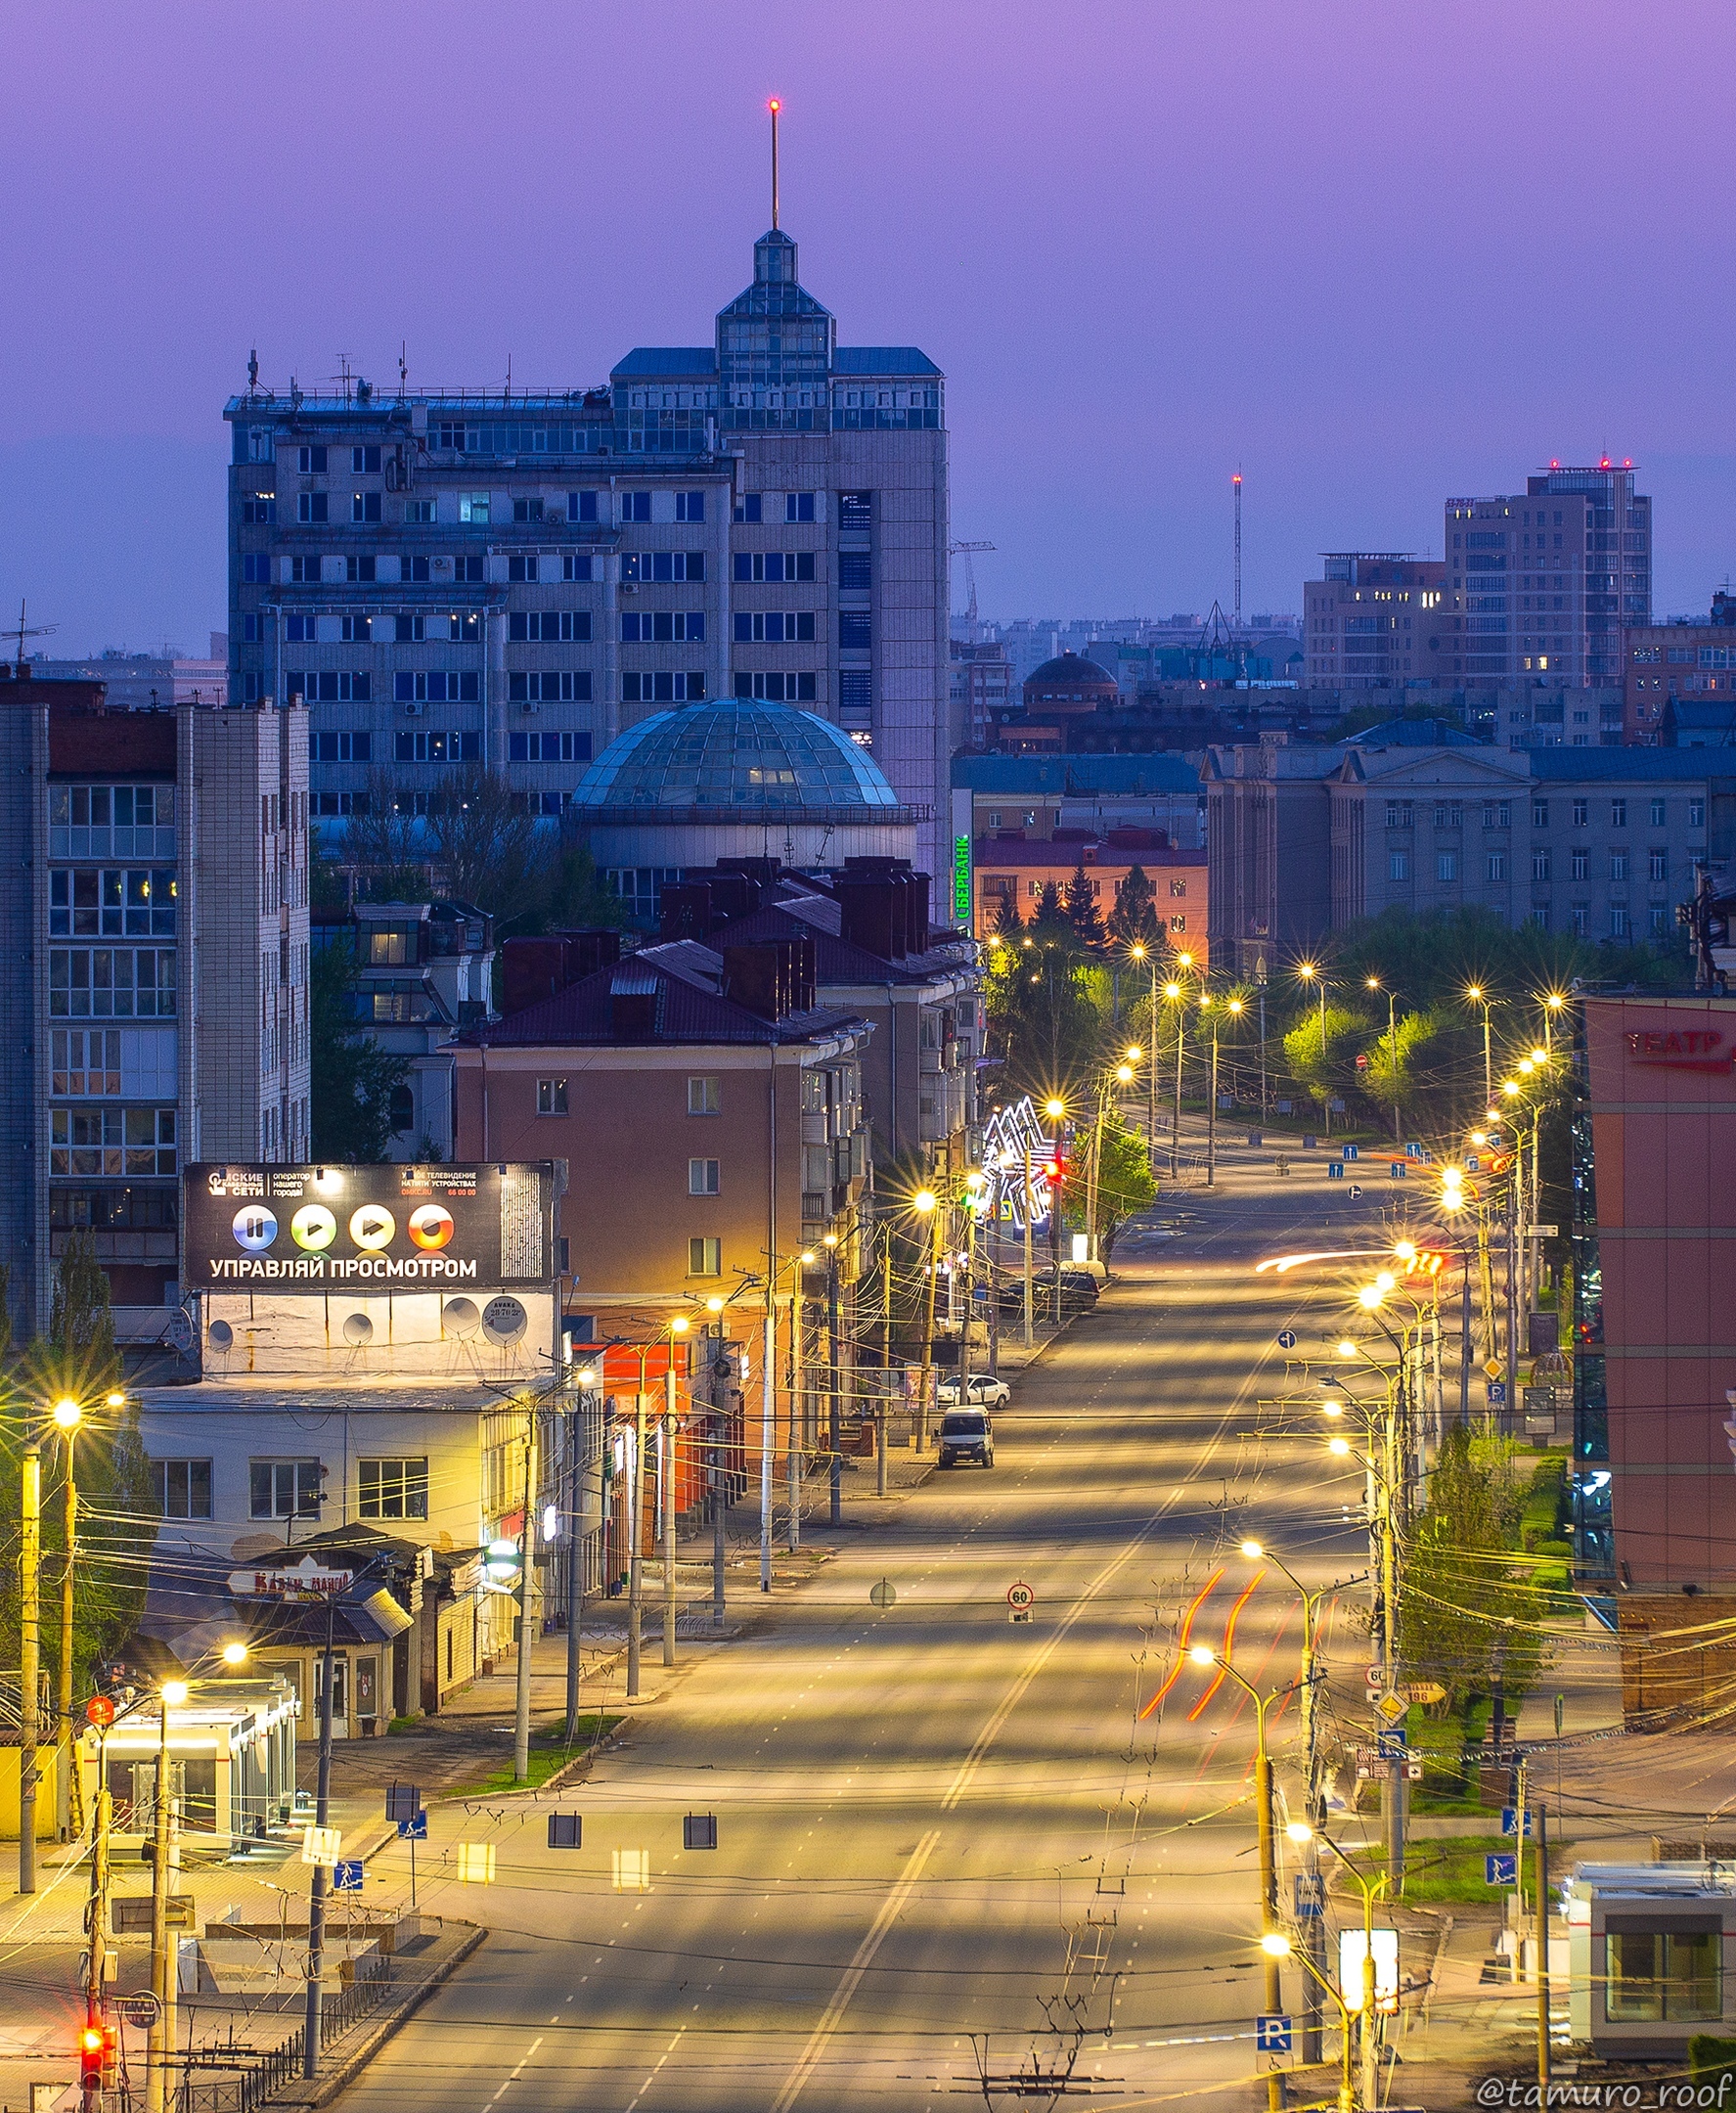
{"x":1171,"y":299}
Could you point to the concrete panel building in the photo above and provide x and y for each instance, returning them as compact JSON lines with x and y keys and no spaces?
{"x":1373,"y":618}
{"x":154,"y":986}
{"x":513,"y":580}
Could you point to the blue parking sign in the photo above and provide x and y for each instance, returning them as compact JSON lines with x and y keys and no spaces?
{"x":1273,"y":2032}
{"x":1311,"y":1895}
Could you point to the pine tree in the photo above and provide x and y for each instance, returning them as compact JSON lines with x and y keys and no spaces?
{"x":1081,"y":907}
{"x":1008,"y":924}
{"x":1134,"y":915}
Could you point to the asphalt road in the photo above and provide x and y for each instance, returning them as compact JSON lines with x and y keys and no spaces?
{"x":949,"y":1844}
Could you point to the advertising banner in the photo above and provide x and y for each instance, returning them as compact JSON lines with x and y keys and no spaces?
{"x":367,"y":1229}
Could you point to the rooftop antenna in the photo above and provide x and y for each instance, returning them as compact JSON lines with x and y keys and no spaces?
{"x":21,"y":631}
{"x":403,"y":365}
{"x":1237,"y":481}
{"x":775,"y":105}
{"x":253,"y":370}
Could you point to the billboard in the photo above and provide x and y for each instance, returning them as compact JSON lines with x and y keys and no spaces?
{"x":367,"y":1229}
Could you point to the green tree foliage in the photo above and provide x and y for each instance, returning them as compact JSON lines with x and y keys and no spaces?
{"x":1395,"y":1061}
{"x":1315,"y":1065}
{"x":1467,"y":1611}
{"x":1009,"y":927}
{"x":116,"y":1494}
{"x":1081,"y":904}
{"x":1124,"y":1186}
{"x":351,"y":1080}
{"x":1134,"y":915}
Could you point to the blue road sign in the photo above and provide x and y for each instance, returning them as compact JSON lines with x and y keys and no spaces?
{"x":1510,"y":1821}
{"x":1353,"y":1151}
{"x":1273,"y":2032}
{"x":416,"y":1830}
{"x":1399,"y":1171}
{"x":1393,"y":1744}
{"x":1497,"y":1393}
{"x":346,"y":1877}
{"x":1288,"y":1339}
{"x":1473,"y":1165}
{"x":1311,"y":1895}
{"x":1356,"y":1189}
{"x":1502,"y":1868}
{"x":1335,"y":1170}
{"x":1416,"y":1151}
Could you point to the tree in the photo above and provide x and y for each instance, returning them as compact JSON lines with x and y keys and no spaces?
{"x":82,"y":1326}
{"x":1008,"y":924}
{"x":1465,"y":1614}
{"x":1394,"y":1061}
{"x":1124,"y":1186}
{"x":351,"y":1079}
{"x":1309,"y":1055}
{"x":1134,"y":918}
{"x":1080,"y":902}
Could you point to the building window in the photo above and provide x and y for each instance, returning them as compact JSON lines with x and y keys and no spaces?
{"x":581,"y":505}
{"x":855,"y":630}
{"x":311,"y":461}
{"x":1540,"y":814}
{"x":690,"y":505}
{"x":1696,"y":814}
{"x":1498,"y":814}
{"x":662,"y":687}
{"x":1177,"y":887}
{"x":552,"y":627}
{"x":456,"y":747}
{"x":392,"y":1488}
{"x":1582,"y":915}
{"x":1539,"y":865}
{"x":311,"y":507}
{"x":1497,"y":865}
{"x":776,"y":688}
{"x":550,"y":1096}
{"x":703,"y":1176}
{"x":284,"y":1488}
{"x":1581,"y":864}
{"x":1618,"y":814}
{"x":341,"y":747}
{"x":551,"y":748}
{"x":705,"y":1097}
{"x":1445,"y":865}
{"x":1658,"y":865}
{"x":770,"y":567}
{"x":705,"y":1258}
{"x":774,"y":627}
{"x":798,"y":506}
{"x":660,"y":628}
{"x":1398,"y":865}
{"x":1618,"y":865}
{"x":437,"y":686}
{"x":1540,"y":918}
{"x":550,"y":686}
{"x":1619,"y":927}
{"x":527,"y":510}
{"x":364,"y":505}
{"x":183,"y":1488}
{"x":420,"y":512}
{"x":472,"y":507}
{"x":749,"y":507}
{"x":1177,"y":923}
{"x":636,"y":506}
{"x":1660,"y":1974}
{"x":1582,"y":813}
{"x":1399,"y":814}
{"x":1658,"y":811}
{"x":659,"y":566}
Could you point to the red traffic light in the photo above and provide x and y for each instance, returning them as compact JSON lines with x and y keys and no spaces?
{"x":93,"y":2046}
{"x":99,"y":1710}
{"x":1055,"y":1170}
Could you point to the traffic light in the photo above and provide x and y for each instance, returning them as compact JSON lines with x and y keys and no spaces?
{"x":96,"y":2056}
{"x":1055,"y":1170}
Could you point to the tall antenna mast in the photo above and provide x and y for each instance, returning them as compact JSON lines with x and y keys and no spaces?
{"x":1236,"y":481}
{"x":775,"y":105}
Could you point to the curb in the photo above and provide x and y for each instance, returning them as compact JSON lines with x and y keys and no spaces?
{"x":326,"y":2088}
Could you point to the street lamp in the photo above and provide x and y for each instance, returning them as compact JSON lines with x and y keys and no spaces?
{"x":1139,"y":952}
{"x":1203,"y":1655}
{"x":1312,"y":974}
{"x":1478,"y":996}
{"x":1366,"y":2013}
{"x":1172,"y":994}
{"x":1374,"y":983}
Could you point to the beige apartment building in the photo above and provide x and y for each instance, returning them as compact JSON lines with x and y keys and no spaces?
{"x":1373,"y":620}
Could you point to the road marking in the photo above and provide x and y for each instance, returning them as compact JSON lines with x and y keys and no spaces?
{"x":986,"y":1737}
{"x":832,"y":2015}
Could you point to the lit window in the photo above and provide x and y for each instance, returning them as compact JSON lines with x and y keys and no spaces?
{"x":550,"y":1096}
{"x":703,"y":1176}
{"x":704,"y":1096}
{"x":705,"y":1258}
{"x":392,"y":1488}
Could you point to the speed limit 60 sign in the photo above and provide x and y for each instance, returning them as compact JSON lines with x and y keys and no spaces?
{"x":1020,"y":1598}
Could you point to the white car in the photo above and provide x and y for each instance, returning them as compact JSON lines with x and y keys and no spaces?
{"x":980,"y":1391}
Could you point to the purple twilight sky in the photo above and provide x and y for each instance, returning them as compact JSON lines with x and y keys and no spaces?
{"x":1371,"y":254}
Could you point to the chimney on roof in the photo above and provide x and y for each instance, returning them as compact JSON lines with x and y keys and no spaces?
{"x":755,"y":977}
{"x":535,"y":969}
{"x":685,"y":910}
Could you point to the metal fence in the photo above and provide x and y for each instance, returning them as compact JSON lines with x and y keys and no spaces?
{"x":264,"y":2071}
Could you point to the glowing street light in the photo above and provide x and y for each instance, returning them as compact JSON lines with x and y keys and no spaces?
{"x":66,"y":1414}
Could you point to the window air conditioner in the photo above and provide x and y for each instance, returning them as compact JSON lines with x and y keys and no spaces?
{"x":414,"y":711}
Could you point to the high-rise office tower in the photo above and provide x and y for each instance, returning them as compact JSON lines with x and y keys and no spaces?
{"x":513,"y":580}
{"x":1543,"y":582}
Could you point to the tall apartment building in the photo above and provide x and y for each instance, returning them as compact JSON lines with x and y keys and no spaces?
{"x":513,"y":580}
{"x":1671,"y":664}
{"x":1374,"y":617}
{"x":1544,"y":581}
{"x":152,"y":970}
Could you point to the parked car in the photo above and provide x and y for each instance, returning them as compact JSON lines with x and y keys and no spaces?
{"x":967,"y":1434}
{"x":980,"y":1389}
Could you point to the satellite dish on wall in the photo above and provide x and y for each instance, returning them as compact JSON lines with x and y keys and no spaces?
{"x":461,"y":1317}
{"x":220,"y":1335}
{"x":180,"y":1334}
{"x":358,"y":1330}
{"x":504,"y":1321}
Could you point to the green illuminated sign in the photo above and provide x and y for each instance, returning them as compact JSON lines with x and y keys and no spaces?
{"x":961,"y":881}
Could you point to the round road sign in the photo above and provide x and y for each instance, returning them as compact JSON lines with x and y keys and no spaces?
{"x":99,"y":1710}
{"x":884,"y":1594}
{"x":140,"y":2010}
{"x":1287,"y":1340}
{"x":1020,"y":1596}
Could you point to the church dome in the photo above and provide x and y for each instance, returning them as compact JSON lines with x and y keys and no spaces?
{"x":735,"y":755}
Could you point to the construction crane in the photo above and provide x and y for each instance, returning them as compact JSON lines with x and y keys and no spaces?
{"x":964,"y":551}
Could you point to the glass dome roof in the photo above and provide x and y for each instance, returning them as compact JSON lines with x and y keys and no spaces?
{"x":734,"y":755}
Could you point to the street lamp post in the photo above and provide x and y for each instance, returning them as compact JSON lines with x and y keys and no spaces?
{"x":1174,"y":993}
{"x":1368,"y":2018}
{"x":29,"y":1657}
{"x":1203,"y":1655}
{"x":1140,"y":952}
{"x":1374,"y":983}
{"x":1478,"y":996}
{"x":834,"y":1434}
{"x":1312,"y":973}
{"x":577,"y":1422}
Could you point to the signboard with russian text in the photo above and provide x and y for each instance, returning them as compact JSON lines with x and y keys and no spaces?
{"x":367,"y":1229}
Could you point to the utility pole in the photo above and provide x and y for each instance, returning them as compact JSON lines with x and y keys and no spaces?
{"x":669,"y":1465}
{"x":1542,"y":1948}
{"x":1211,"y":1114}
{"x":577,"y":1423}
{"x":29,"y":1660}
{"x":798,"y":1410}
{"x":316,"y":1892}
{"x":834,"y":1435}
{"x":1176,"y":1107}
{"x":63,"y":1787}
{"x":97,"y":1913}
{"x":1030,"y":1256}
{"x":526,"y":1627}
{"x":768,"y":1424}
{"x":718,"y":1498}
{"x":161,"y":2044}
{"x":635,"y":1542}
{"x":884,"y":1397}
